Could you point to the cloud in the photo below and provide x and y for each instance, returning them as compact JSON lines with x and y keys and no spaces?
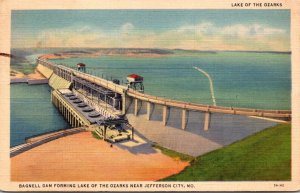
{"x":201,"y":28}
{"x":240,"y":30}
{"x":72,"y":36}
{"x":250,"y":30}
{"x":202,"y":36}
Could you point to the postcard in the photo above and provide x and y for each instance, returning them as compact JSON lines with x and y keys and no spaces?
{"x":149,"y":95}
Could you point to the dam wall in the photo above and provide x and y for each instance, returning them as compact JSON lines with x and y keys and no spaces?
{"x":56,"y":82}
{"x":192,"y":139}
{"x":45,"y":71}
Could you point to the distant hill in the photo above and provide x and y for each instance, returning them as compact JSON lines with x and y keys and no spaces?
{"x":266,"y":52}
{"x":21,"y":53}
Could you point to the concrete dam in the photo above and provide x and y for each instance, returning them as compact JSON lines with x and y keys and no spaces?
{"x":117,"y":112}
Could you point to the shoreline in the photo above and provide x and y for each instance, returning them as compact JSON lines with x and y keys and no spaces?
{"x":99,"y":54}
{"x":14,"y":75}
{"x":42,"y":138}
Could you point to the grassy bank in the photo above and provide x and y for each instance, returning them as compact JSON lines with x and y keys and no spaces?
{"x":263,"y":156}
{"x":174,"y":154}
{"x":96,"y":136}
{"x":24,"y":68}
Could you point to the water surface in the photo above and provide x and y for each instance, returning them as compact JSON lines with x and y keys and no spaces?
{"x":32,"y":112}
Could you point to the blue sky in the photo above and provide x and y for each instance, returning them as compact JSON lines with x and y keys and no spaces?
{"x":187,"y":29}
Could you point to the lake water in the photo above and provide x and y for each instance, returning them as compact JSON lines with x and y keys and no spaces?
{"x":32,"y":112}
{"x":240,"y":79}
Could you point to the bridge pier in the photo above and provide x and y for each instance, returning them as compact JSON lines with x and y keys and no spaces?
{"x":58,"y":106}
{"x":166,"y":110}
{"x":76,"y":122}
{"x":135,"y":107}
{"x":183,"y":118}
{"x":69,"y":115}
{"x":124,"y":103}
{"x":64,"y":112}
{"x":71,"y":123}
{"x":74,"y":119}
{"x":71,"y":119}
{"x":149,"y":109}
{"x":206,"y":121}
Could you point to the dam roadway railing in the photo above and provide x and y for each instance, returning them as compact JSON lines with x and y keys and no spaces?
{"x":207,"y":108}
{"x":94,"y":79}
{"x":166,"y":103}
{"x":102,"y":82}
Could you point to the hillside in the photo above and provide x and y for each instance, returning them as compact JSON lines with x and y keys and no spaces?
{"x":263,"y":156}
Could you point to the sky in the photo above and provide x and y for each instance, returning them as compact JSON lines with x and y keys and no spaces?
{"x":255,"y":30}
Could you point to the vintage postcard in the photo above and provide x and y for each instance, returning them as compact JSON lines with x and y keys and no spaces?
{"x":149,"y":95}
